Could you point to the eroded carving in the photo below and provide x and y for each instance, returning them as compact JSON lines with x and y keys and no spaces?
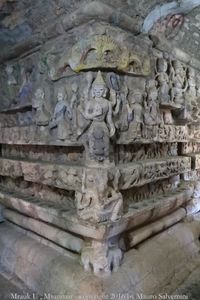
{"x":98,"y":111}
{"x":99,"y":199}
{"x":102,"y":257}
{"x":39,"y":103}
{"x":98,"y":51}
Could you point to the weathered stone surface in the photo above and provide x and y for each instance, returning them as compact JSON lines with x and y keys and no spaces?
{"x":142,"y":234}
{"x":66,"y":177}
{"x":148,"y":171}
{"x":98,"y":128}
{"x":54,"y":234}
{"x":174,"y":250}
{"x":63,"y":217}
{"x":162,"y":134}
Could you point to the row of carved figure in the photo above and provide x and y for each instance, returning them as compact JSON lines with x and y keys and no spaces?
{"x":178,"y":86}
{"x":174,"y":87}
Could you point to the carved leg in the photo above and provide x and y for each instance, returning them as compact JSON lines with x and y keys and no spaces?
{"x":101,"y":257}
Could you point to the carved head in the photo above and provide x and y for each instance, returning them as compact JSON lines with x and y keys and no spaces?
{"x":9,"y":69}
{"x":136,"y":96}
{"x":74,"y":87}
{"x":95,"y":182}
{"x":99,"y":88}
{"x":162,"y":65}
{"x":178,"y":67}
{"x":191,"y":73}
{"x":39,"y":93}
{"x":61,"y":95}
{"x":38,"y":98}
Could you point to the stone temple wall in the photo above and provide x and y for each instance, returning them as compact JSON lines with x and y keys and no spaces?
{"x":99,"y":134}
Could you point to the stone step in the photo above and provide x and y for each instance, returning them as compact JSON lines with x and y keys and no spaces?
{"x":48,"y":212}
{"x":137,"y":236}
{"x":138,"y":213}
{"x":153,"y":265}
{"x":69,"y":176}
{"x":151,"y":209}
{"x":52,"y":233}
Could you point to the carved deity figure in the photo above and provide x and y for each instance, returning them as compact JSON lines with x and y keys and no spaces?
{"x":24,"y":94}
{"x":62,"y":117}
{"x":42,"y":116}
{"x":163,"y":80}
{"x":99,"y":200}
{"x":194,"y":205}
{"x":98,"y":111}
{"x":135,"y":112}
{"x":179,"y":82}
{"x":12,"y":83}
{"x":151,"y":110}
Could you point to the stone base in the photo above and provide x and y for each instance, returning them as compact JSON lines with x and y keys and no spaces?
{"x":158,"y":265}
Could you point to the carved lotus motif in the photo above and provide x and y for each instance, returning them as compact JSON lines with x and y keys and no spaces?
{"x":100,"y":52}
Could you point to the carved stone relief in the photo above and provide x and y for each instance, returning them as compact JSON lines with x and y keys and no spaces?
{"x":97,"y":127}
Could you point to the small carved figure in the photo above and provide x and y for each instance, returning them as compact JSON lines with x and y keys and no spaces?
{"x":167,"y":117}
{"x":62,"y":117}
{"x":12,"y":83}
{"x":99,"y":200}
{"x":42,"y":116}
{"x":194,"y":205}
{"x":151,"y":110}
{"x":101,"y":127}
{"x":24,"y":95}
{"x":179,"y":82}
{"x":135,"y":112}
{"x":163,"y":80}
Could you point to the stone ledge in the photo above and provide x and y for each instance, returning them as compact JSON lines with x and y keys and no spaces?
{"x":146,"y":211}
{"x":39,"y":135}
{"x":138,"y":174}
{"x":69,"y":176}
{"x":156,"y":133}
{"x":31,"y":135}
{"x":158,"y":265}
{"x":64,"y":176}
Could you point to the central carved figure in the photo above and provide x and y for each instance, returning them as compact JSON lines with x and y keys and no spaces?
{"x":101,"y":127}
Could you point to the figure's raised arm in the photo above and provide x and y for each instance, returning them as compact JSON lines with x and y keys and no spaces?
{"x":110,"y":121}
